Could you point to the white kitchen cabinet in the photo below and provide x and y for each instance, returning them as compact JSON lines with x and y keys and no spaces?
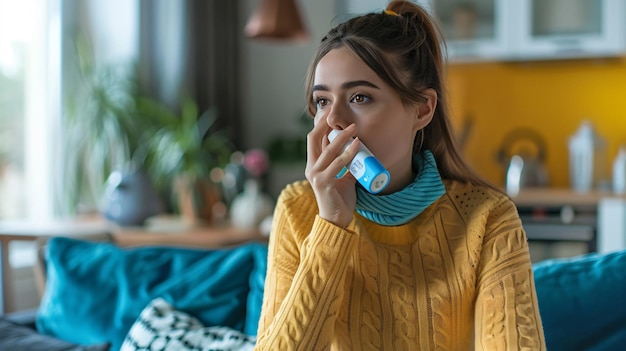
{"x":475,"y":29}
{"x":509,"y":30}
{"x":569,"y":28}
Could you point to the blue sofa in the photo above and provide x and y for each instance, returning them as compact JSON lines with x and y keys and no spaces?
{"x":582,"y":301}
{"x":95,"y":292}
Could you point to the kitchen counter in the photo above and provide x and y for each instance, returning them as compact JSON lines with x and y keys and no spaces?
{"x":559,"y":222}
{"x":561,"y":215}
{"x":558,"y":197}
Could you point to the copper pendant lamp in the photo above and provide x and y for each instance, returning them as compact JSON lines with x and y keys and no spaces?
{"x":277,"y":20}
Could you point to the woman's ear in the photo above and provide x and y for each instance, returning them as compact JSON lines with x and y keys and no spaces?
{"x":426,"y":110}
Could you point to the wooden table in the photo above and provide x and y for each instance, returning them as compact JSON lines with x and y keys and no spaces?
{"x":172,"y":231}
{"x":168,"y":231}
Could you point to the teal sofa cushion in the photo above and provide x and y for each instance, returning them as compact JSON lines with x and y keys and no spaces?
{"x":257,"y":286}
{"x":95,"y":291}
{"x":581,"y":301}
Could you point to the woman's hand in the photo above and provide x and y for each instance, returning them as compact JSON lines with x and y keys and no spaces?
{"x":336,"y":197}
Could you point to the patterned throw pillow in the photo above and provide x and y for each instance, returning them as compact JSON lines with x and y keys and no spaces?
{"x":160,"y":327}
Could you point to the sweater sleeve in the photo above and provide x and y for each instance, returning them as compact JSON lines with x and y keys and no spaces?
{"x":507,"y":313}
{"x":302,"y":295}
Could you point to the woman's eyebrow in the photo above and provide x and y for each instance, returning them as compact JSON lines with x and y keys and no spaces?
{"x":358,"y":83}
{"x":347,"y":85}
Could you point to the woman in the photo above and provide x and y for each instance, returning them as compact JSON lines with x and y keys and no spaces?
{"x":438,"y":259}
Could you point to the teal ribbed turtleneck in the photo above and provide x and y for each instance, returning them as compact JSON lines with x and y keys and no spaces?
{"x":402,"y":206}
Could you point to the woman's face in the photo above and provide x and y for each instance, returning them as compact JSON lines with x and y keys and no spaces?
{"x":347,"y":91}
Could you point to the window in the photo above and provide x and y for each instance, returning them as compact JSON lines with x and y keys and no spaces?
{"x":29,"y":106}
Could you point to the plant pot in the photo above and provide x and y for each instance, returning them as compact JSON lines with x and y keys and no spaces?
{"x":130,"y":198}
{"x":196,"y":198}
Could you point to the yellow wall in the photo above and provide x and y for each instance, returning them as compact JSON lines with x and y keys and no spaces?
{"x":552,"y":97}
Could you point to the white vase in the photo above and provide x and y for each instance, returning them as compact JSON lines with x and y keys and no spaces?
{"x":586,"y":149}
{"x":250,"y":207}
{"x":619,"y":172}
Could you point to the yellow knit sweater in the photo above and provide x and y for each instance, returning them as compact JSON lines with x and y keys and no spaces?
{"x":457,"y":277}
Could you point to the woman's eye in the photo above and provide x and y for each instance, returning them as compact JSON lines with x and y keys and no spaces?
{"x":321,"y":102}
{"x":359,"y":99}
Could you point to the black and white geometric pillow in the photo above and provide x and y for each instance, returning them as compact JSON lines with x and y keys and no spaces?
{"x":162,"y":328}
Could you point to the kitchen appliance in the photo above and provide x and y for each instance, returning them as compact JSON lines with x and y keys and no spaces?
{"x":559,"y":230}
{"x":522,"y":154}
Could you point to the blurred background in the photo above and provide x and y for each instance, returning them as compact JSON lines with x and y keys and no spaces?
{"x":99,"y":96}
{"x":527,"y":73}
{"x":89,"y":89}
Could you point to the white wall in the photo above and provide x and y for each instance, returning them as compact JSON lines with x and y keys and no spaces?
{"x":115,"y":30}
{"x":362,"y":6}
{"x":273,"y":75}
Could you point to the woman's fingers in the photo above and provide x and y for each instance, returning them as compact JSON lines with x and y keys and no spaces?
{"x":315,"y":139}
{"x":348,"y":153}
{"x":326,"y":159}
{"x":336,"y":149}
{"x":336,"y":197}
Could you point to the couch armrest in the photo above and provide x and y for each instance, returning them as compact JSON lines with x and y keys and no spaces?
{"x":26,"y":318}
{"x":15,"y":336}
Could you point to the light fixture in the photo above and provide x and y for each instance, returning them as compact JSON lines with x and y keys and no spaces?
{"x":277,"y":20}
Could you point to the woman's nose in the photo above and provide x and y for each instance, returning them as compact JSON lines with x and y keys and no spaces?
{"x":338,"y":118}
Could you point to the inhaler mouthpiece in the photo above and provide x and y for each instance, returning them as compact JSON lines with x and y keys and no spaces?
{"x":365,"y":167}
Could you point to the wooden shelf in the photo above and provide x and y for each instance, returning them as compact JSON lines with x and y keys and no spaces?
{"x":200,"y":237}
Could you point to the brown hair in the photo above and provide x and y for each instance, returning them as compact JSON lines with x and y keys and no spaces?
{"x":405,"y":48}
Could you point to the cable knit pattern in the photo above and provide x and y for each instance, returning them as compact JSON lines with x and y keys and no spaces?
{"x":457,"y":277}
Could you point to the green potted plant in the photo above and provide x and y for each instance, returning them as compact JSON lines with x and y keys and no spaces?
{"x":105,"y":137}
{"x":183,"y":150}
{"x":113,"y":133}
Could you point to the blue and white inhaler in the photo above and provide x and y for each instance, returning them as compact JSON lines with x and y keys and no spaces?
{"x":366,"y":168}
